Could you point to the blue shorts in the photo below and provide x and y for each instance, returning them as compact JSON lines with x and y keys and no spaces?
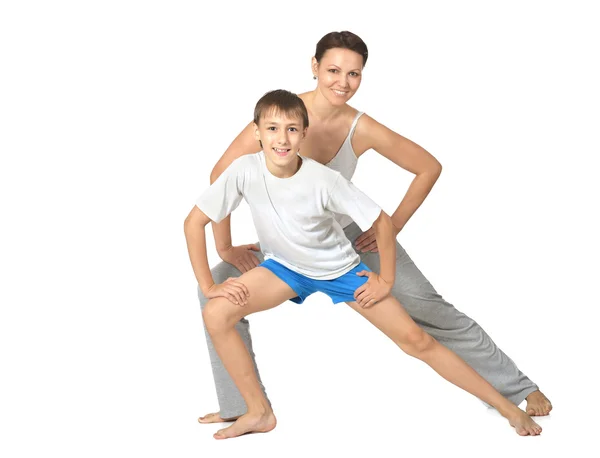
{"x":339,"y":289}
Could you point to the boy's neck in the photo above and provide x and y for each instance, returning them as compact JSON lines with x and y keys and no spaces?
{"x":284,"y":172}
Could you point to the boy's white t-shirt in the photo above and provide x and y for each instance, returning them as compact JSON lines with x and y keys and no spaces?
{"x":294,"y":217}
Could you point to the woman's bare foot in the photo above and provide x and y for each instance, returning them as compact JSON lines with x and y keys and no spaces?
{"x":215,"y":418}
{"x":248,"y":423}
{"x":538,"y":404}
{"x":523,"y":423}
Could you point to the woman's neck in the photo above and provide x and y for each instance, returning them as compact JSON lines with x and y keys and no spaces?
{"x":321,"y":108}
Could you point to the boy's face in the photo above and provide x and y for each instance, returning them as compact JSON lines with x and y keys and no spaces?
{"x":281,"y":137}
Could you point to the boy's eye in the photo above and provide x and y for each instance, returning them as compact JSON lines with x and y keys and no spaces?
{"x":293,"y":129}
{"x":271,"y":128}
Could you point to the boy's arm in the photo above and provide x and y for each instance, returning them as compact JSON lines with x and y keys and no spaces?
{"x":239,"y":256}
{"x":194,"y":228}
{"x":195,"y":235}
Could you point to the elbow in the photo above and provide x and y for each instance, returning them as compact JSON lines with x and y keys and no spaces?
{"x":383,"y":221}
{"x":187,"y":222}
{"x":436,"y":169}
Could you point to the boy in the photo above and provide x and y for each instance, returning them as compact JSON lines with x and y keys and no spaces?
{"x":293,"y":200}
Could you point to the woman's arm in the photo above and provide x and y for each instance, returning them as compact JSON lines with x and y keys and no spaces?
{"x":239,"y":256}
{"x":406,"y":154}
{"x":379,"y":286}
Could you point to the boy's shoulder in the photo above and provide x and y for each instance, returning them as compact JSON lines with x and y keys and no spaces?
{"x":244,"y":164}
{"x":321,"y":171}
{"x":247,"y":159}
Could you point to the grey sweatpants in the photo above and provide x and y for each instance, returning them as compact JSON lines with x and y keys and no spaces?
{"x":437,"y":317}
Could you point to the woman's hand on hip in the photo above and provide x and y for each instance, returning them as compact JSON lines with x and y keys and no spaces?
{"x":366,"y":241}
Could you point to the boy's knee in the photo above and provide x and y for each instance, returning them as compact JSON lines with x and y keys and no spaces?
{"x":417,"y":342}
{"x":216,"y":316}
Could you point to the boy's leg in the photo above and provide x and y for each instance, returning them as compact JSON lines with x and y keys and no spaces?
{"x":220,"y":315}
{"x":231,"y":402}
{"x":456,"y":331}
{"x":391,"y":318}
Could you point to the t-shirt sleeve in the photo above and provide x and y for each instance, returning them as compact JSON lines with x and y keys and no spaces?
{"x":225,"y":194}
{"x":347,"y":199}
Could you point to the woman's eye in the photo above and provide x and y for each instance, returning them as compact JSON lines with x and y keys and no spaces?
{"x":332,"y":70}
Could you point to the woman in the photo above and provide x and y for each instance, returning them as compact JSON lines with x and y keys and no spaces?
{"x":337,"y":66}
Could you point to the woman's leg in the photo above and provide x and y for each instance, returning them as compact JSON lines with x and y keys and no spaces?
{"x":456,"y":331}
{"x":391,"y":318}
{"x":220,"y":317}
{"x":231,"y":402}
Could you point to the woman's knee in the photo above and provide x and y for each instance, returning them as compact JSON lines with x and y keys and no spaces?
{"x":222,"y":271}
{"x":416,"y":342}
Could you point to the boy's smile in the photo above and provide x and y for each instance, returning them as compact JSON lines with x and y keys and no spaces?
{"x":281,"y":152}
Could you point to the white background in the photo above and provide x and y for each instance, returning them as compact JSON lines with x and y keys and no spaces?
{"x":112,"y":115}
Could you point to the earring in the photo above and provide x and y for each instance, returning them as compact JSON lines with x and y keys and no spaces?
{"x":314,"y":77}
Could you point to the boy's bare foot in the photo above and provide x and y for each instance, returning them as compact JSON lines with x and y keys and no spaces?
{"x":523,"y":423}
{"x":215,"y":418}
{"x":248,"y":423}
{"x":538,"y":404}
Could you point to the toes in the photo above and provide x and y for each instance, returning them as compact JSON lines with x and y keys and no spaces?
{"x":210,"y":418}
{"x":220,"y":434}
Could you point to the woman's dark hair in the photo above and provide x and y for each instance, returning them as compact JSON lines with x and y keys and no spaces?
{"x":281,"y":101}
{"x":345,"y":40}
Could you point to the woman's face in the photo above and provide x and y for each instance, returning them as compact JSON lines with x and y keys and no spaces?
{"x":339,"y":74}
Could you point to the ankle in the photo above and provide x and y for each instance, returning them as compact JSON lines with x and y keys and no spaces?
{"x":508,"y":410}
{"x":259,"y":409}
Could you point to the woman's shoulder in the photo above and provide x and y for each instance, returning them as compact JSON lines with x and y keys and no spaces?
{"x":367,"y":131}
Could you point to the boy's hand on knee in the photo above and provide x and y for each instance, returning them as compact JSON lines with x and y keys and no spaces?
{"x":232,"y":289}
{"x":374,"y":290}
{"x":241,"y":257}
